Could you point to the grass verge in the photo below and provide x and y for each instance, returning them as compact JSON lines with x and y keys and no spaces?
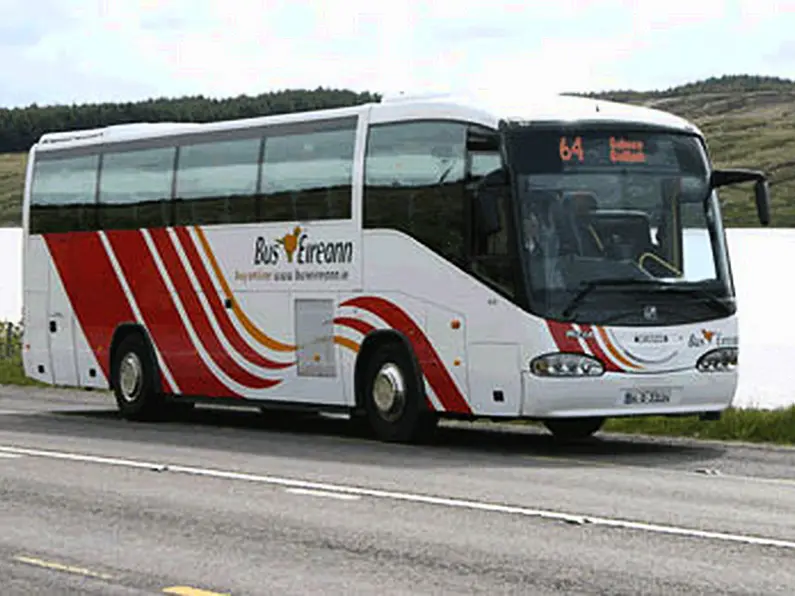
{"x":11,"y":371}
{"x":737,"y":424}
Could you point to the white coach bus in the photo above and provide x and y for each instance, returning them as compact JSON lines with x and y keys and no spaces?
{"x":561,"y":260}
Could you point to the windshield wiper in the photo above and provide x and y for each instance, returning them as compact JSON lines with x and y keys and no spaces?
{"x":588,"y":287}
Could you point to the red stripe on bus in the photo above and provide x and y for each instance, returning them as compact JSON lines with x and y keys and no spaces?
{"x":161,"y":317}
{"x":218,"y":309}
{"x":198,"y":317}
{"x":362,"y":327}
{"x":610,"y":366}
{"x":434,"y":370}
{"x":562,"y":341}
{"x":83,"y":265}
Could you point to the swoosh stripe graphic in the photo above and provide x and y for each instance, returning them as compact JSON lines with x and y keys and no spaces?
{"x":219,"y":311}
{"x":564,"y":344}
{"x":614,"y":351}
{"x":232,"y":385}
{"x":362,"y":327}
{"x":434,"y":370}
{"x":163,"y":319}
{"x":346,"y":343}
{"x":197,"y":316}
{"x":166,"y":378}
{"x":610,"y":366}
{"x":252,"y":329}
{"x":97,"y":313}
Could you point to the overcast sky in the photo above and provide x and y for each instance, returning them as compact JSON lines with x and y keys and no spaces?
{"x":63,"y":51}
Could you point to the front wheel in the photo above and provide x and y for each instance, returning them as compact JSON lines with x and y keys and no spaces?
{"x":572,"y":429}
{"x":394,"y":401}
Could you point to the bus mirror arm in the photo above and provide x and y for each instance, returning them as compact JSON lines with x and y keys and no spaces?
{"x":727,"y":177}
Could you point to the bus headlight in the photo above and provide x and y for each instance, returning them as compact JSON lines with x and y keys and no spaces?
{"x":566,"y":365}
{"x":720,"y":360}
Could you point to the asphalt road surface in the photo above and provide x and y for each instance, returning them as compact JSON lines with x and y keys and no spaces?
{"x":234,"y":502}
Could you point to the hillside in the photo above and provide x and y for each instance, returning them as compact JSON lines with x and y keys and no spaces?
{"x":749,"y":122}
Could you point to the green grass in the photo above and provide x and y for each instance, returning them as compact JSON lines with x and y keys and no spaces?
{"x":12,"y":181}
{"x":737,"y":424}
{"x":11,"y":371}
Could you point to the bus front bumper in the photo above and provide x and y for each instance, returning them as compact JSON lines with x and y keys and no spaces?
{"x":617,"y":394}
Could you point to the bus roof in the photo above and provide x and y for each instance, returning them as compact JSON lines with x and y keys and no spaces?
{"x":484,"y":108}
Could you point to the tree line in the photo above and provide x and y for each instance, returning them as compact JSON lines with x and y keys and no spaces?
{"x":20,"y":128}
{"x":722,"y":84}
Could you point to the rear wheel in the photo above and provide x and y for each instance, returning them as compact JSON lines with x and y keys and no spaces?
{"x":572,"y":429}
{"x":134,"y":375}
{"x":394,"y":401}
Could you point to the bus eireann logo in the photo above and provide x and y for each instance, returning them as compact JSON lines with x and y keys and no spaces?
{"x":290,"y":242}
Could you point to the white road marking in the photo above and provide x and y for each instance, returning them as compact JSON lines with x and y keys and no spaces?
{"x":55,"y":566}
{"x":570,"y":518}
{"x":9,"y":455}
{"x":322,"y":493}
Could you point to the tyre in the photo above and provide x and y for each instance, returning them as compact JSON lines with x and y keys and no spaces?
{"x":573,"y":429}
{"x":134,"y":380}
{"x":394,"y":399}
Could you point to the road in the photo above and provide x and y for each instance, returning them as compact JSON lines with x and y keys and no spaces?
{"x":233,"y":502}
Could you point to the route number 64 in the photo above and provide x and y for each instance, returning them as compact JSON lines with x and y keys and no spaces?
{"x":568,"y":151}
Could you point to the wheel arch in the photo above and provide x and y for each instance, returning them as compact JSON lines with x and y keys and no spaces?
{"x":371,"y":343}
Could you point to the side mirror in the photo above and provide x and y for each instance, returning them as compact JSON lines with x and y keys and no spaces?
{"x":761,"y":188}
{"x":762,"y":195}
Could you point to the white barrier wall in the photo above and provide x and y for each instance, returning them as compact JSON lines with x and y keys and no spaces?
{"x":10,"y":274}
{"x":765,"y":287}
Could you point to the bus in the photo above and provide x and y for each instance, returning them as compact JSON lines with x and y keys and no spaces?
{"x":561,"y":260}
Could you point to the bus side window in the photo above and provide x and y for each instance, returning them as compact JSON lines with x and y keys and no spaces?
{"x":414,"y":182}
{"x":135,"y":189}
{"x":63,"y":195}
{"x":217,"y":182}
{"x":308,"y":175}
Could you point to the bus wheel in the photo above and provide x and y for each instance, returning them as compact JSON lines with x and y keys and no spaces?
{"x":573,"y":428}
{"x":393,"y":400}
{"x":134,"y":380}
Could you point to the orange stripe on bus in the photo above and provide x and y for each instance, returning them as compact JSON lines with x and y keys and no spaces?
{"x":612,"y":349}
{"x":258,"y":335}
{"x":346,"y":343}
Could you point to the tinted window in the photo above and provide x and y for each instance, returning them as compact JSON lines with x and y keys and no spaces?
{"x":308,"y":176}
{"x":217,"y":182}
{"x":414,"y":182}
{"x":62,"y":195}
{"x":135,"y":189}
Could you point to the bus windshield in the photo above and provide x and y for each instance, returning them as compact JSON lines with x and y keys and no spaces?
{"x":609,"y":218}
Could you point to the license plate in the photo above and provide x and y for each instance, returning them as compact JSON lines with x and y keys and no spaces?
{"x":638,"y":397}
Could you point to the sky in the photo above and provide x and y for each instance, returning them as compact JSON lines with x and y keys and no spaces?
{"x":81,"y":51}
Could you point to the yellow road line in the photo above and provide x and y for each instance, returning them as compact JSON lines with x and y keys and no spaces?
{"x":61,"y":567}
{"x":188,"y":591}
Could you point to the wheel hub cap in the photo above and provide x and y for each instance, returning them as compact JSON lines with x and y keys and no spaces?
{"x":130,"y":374}
{"x":389,"y":393}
